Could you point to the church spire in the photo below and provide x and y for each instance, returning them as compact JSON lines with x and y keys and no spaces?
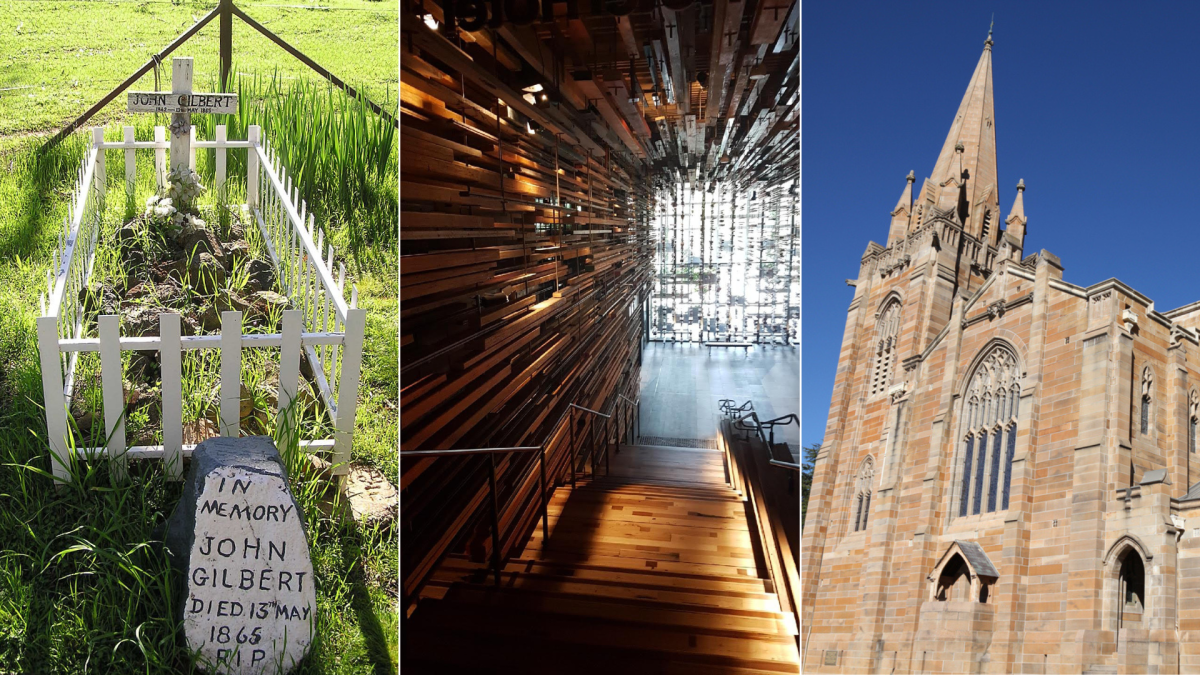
{"x":902,"y":214}
{"x":966,"y":167}
{"x":1014,"y":225}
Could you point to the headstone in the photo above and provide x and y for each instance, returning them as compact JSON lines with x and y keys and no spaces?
{"x":237,"y":534}
{"x":181,"y":103}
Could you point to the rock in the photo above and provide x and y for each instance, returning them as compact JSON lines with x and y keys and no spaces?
{"x":246,"y":402}
{"x":101,"y":300}
{"x":231,"y":302}
{"x":206,"y":274}
{"x":127,"y":235}
{"x":266,"y":302}
{"x":372,"y":496}
{"x":141,"y":321}
{"x":237,"y":538}
{"x":143,"y":367}
{"x":210,"y":318}
{"x":261,"y":276}
{"x":198,"y":431}
{"x":236,"y":252}
{"x":197,"y":240}
{"x":133,"y":257}
{"x":175,"y":270}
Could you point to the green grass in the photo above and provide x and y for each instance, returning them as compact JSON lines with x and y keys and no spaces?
{"x":84,"y":586}
{"x":58,"y":58}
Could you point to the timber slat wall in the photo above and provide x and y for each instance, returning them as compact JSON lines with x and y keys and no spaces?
{"x":511,"y":308}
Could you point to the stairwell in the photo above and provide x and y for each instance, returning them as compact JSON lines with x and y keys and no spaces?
{"x":650,"y":569}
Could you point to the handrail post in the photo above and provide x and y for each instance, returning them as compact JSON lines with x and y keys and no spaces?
{"x":545,"y":516}
{"x":495,"y":517}
{"x":608,"y":428}
{"x":571,"y":443}
{"x":592,"y":440}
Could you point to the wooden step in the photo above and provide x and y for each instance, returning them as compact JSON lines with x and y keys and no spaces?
{"x":433,"y":652}
{"x":654,"y":463}
{"x":642,"y":516}
{"x":609,"y":559}
{"x":727,"y":504}
{"x":615,"y":587}
{"x":648,"y":448}
{"x":602,"y":632}
{"x":680,"y":488}
{"x":702,"y":533}
{"x":661,"y":614}
{"x":660,"y":575}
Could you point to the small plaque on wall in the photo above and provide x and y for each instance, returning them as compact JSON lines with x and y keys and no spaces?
{"x":831,"y":657}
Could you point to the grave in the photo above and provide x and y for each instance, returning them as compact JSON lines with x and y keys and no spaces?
{"x":192,"y":281}
{"x":237,"y":536}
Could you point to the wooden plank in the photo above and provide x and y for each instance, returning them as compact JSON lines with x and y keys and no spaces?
{"x":231,"y":373}
{"x":171,"y":360}
{"x":113,"y":389}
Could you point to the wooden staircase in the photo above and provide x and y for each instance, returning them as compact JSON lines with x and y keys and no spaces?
{"x":651,"y":569}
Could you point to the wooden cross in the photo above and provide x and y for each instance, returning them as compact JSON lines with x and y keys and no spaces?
{"x":181,"y":103}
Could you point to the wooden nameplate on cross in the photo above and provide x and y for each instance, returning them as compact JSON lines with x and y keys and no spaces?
{"x":181,"y":103}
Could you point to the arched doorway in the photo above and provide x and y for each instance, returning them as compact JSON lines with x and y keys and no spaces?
{"x":1131,"y":589}
{"x":954,"y":583}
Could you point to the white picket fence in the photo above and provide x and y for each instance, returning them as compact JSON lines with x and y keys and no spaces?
{"x":329,"y":330}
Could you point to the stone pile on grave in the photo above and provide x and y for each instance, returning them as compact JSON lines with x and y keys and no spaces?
{"x":172,"y":257}
{"x":237,"y":537}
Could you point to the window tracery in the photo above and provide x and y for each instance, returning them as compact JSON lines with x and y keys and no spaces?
{"x":989,"y":431}
{"x":1147,"y":387}
{"x":886,"y":332}
{"x":862,"y":489}
{"x":1193,"y":417}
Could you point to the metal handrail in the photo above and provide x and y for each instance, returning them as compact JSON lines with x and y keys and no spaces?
{"x":785,"y":465}
{"x":541,"y":450}
{"x":727,"y":406}
{"x":579,"y":407}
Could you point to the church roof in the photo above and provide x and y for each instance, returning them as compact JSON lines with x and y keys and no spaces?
{"x":1193,"y":493}
{"x":974,"y":130}
{"x":977,"y":559}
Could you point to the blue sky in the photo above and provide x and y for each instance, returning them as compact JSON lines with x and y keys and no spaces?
{"x":1097,"y":109}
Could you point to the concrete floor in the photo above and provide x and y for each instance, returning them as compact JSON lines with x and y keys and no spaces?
{"x":682,"y":383}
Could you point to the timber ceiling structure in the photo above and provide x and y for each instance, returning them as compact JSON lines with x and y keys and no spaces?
{"x":696,"y":91}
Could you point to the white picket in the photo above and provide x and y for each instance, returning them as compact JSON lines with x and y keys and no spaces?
{"x":111,"y":382}
{"x":171,"y":360}
{"x":219,"y":180}
{"x":52,"y":389}
{"x":253,"y":136}
{"x":304,"y":271}
{"x":160,"y":156}
{"x":352,"y":346}
{"x":231,"y":373}
{"x":130,"y":163}
{"x":192,"y":148}
{"x":100,"y":177}
{"x":289,"y":372}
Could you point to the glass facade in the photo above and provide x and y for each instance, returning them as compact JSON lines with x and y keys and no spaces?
{"x":726,"y":264}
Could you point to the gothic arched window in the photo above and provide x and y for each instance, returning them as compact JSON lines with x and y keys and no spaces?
{"x":886,"y":331}
{"x":1147,"y":388}
{"x":1193,"y":417}
{"x":862,"y":488}
{"x":989,"y":433}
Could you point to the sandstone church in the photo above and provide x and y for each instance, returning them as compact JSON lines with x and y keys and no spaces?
{"x":1008,"y":480}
